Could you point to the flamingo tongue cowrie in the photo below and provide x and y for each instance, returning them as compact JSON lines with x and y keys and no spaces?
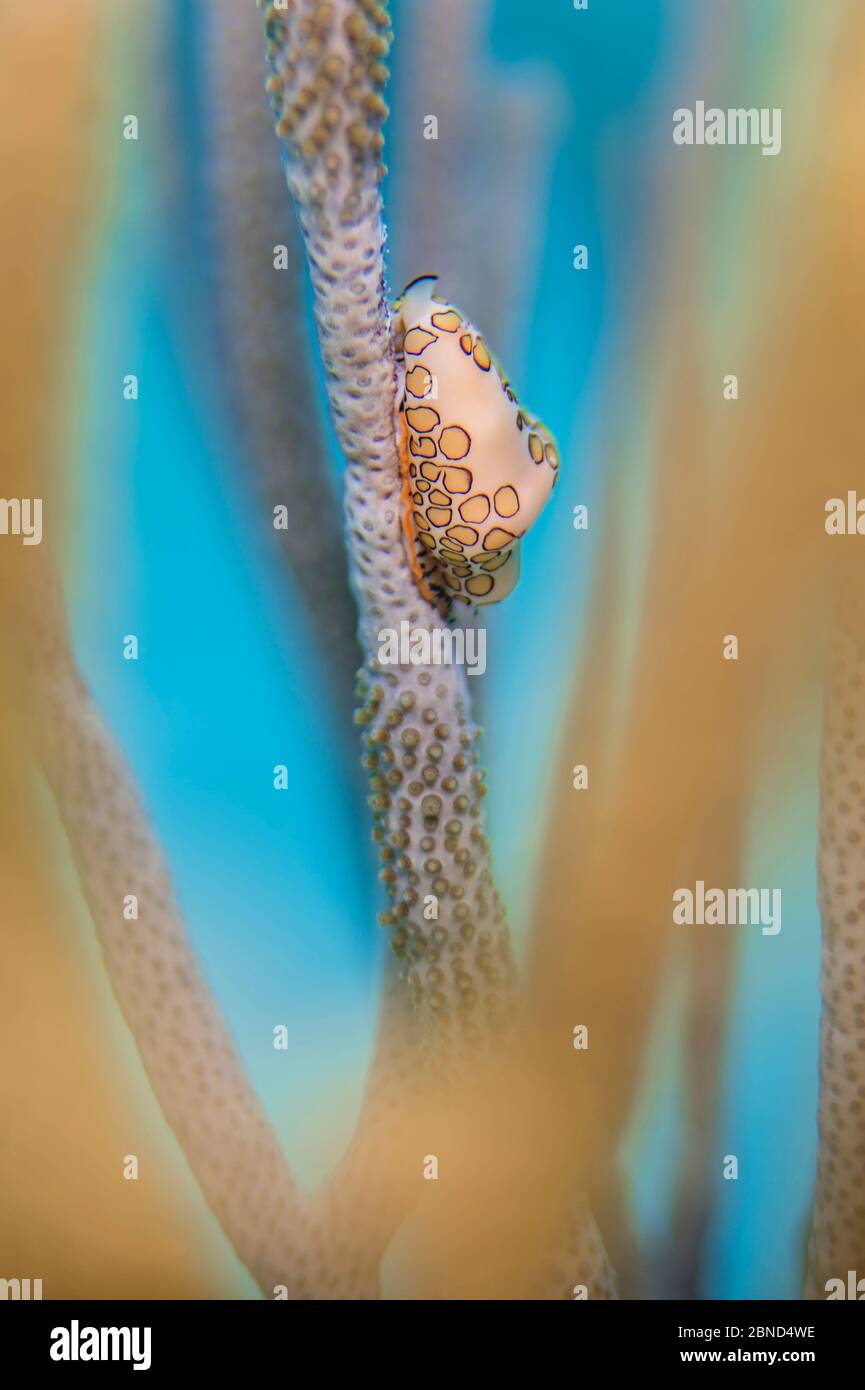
{"x":477,"y":469}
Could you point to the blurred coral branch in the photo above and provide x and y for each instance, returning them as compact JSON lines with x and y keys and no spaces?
{"x":837,"y":1242}
{"x":737,"y":508}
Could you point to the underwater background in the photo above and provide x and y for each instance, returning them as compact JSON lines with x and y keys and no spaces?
{"x":166,"y":542}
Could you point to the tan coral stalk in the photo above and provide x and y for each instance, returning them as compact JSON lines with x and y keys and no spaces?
{"x":325,"y":1247}
{"x":425,"y":782}
{"x":184,"y":1044}
{"x":464,"y":211}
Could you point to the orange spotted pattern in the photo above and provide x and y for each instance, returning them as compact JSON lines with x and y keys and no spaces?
{"x":477,"y":468}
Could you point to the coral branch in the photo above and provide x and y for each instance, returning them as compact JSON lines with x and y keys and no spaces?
{"x":184,"y":1044}
{"x":711,"y":968}
{"x":837,"y":1241}
{"x":316,"y":1248}
{"x":328,"y":65}
{"x":433,"y":216}
{"x":462,"y":208}
{"x":264,"y":340}
{"x":329,"y":1246}
{"x":328,"y":72}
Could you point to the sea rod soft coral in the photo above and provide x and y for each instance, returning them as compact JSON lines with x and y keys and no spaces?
{"x":324,"y":1247}
{"x":425,"y":782}
{"x":328,"y":73}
